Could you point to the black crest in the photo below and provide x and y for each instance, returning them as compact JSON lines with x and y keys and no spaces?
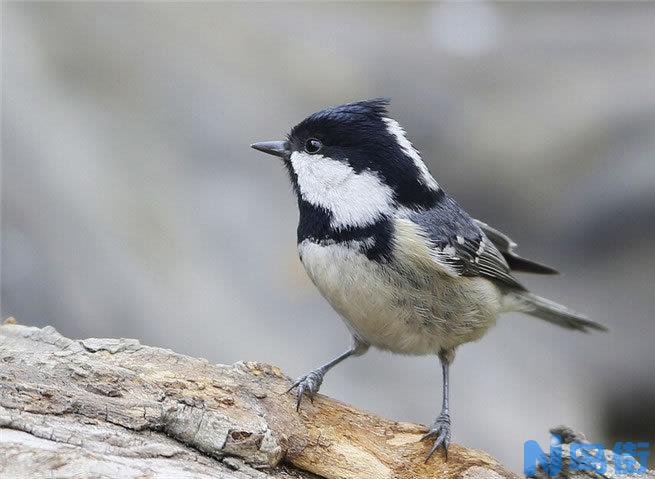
{"x":357,"y":133}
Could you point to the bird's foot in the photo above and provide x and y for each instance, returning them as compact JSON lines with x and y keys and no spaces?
{"x":308,"y":384}
{"x":441,"y":430}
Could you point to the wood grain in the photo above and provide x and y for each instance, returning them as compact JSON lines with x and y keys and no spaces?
{"x":116,"y":408}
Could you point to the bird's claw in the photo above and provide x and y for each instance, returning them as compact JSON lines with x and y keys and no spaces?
{"x":308,"y":384}
{"x":441,"y":430}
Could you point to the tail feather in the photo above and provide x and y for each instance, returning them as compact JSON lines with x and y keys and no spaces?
{"x":554,"y":313}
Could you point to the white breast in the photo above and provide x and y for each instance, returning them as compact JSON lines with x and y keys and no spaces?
{"x":393,"y":307}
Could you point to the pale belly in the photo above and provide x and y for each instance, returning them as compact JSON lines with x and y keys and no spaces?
{"x":408,"y":312}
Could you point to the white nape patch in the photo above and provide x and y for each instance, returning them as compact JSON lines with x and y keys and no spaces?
{"x":394,"y":128}
{"x":354,"y":199}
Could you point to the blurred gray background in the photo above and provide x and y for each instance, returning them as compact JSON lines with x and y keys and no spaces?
{"x":132,"y":205}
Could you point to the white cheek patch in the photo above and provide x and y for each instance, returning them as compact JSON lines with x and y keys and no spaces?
{"x":394,"y":128}
{"x":354,"y":199}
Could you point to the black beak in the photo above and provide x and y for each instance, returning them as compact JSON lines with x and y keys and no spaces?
{"x":276,"y":148}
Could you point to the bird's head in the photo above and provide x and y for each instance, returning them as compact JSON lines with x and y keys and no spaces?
{"x":356,"y":163}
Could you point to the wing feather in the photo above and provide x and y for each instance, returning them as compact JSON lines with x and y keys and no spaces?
{"x":506,"y":247}
{"x":461,"y":246}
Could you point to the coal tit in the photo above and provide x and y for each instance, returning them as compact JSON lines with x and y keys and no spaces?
{"x":406,"y":268}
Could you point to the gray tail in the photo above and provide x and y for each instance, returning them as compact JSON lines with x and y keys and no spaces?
{"x":554,"y":313}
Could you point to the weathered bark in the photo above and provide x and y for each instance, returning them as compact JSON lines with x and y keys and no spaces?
{"x":116,"y":408}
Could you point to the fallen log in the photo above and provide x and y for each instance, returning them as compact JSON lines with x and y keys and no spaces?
{"x":116,"y":408}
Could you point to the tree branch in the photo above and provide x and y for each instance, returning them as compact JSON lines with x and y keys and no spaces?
{"x":116,"y":408}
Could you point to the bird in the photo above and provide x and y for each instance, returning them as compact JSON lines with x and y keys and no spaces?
{"x":406,"y":268}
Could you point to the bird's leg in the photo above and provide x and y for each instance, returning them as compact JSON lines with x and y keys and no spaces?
{"x":441,"y":427}
{"x":311,"y":382}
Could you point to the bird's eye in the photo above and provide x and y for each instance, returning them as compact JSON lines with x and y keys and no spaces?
{"x":313,"y":146}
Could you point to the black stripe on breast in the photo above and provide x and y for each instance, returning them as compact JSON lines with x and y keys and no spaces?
{"x":375,"y":239}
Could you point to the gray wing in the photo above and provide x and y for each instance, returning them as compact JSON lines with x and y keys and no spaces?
{"x":506,"y":247}
{"x":461,"y":245}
